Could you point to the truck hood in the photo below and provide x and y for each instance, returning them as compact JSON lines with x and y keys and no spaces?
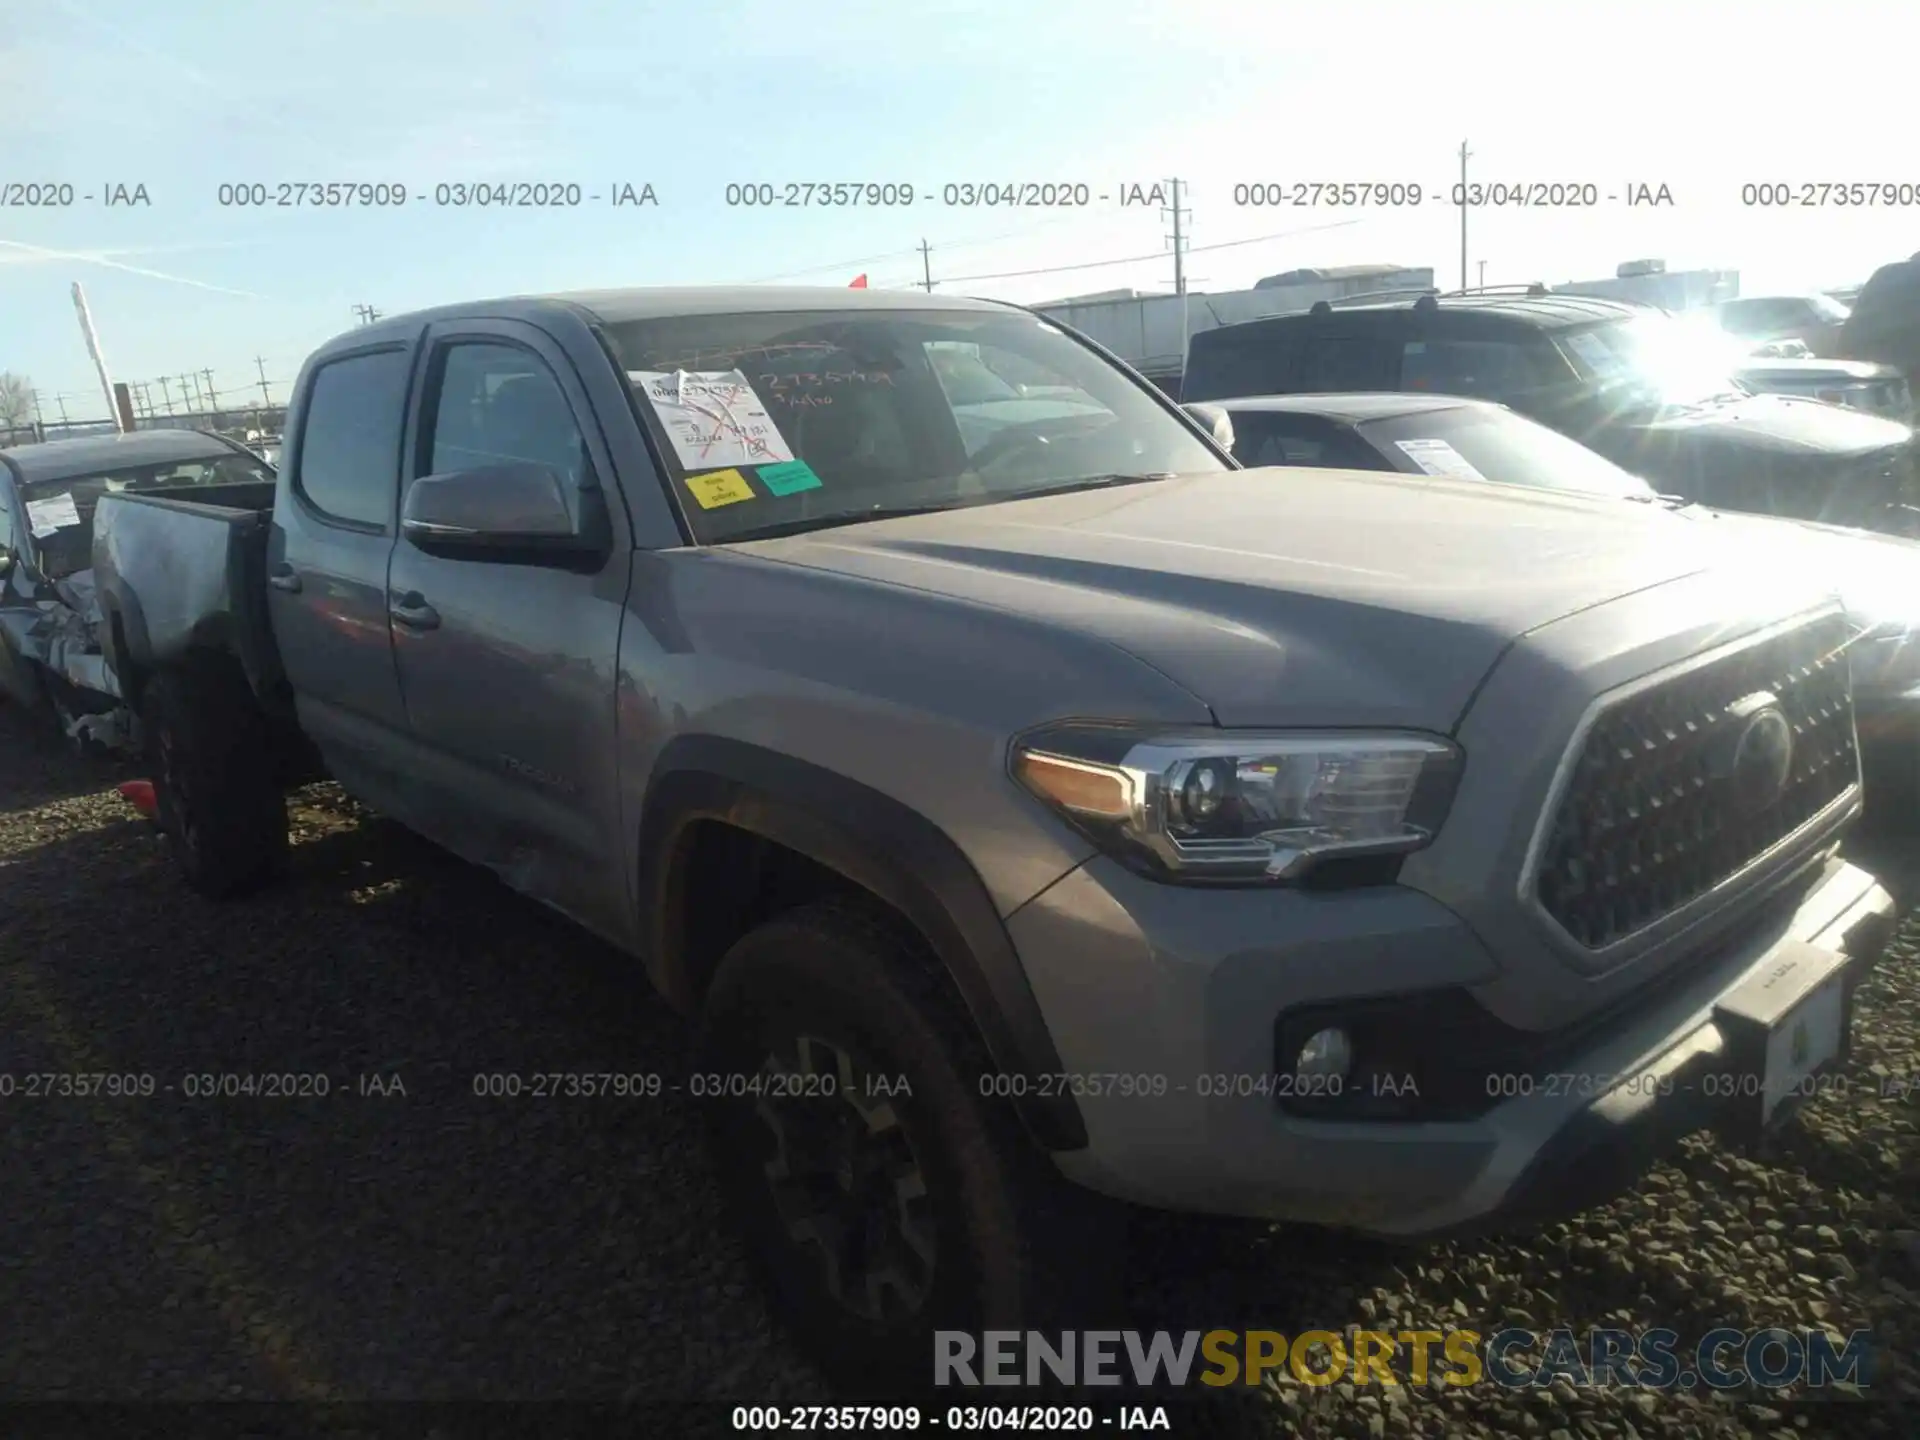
{"x":1279,"y":596}
{"x":1776,"y":424}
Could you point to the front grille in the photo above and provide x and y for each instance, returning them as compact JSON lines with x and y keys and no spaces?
{"x":1651,"y":819}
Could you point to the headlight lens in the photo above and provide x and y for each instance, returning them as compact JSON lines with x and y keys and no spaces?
{"x":1227,"y":806}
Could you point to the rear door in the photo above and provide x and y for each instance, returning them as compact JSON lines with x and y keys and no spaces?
{"x":334,"y":523}
{"x":509,"y":669}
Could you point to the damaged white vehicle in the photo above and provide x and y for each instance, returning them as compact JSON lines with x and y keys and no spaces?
{"x":50,"y":653}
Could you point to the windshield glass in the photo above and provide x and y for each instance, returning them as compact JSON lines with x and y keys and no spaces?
{"x":60,"y":511}
{"x":1497,"y":445}
{"x":1657,"y":358}
{"x":775,"y":422}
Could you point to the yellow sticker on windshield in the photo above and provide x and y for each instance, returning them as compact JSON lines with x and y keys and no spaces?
{"x":719,"y":487}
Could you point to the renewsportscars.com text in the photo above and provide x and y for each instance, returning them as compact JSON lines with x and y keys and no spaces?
{"x":1658,"y":1359}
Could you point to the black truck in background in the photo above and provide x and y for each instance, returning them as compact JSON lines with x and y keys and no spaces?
{"x":1631,"y":382}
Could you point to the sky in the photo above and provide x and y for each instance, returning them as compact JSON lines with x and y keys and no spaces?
{"x":181,"y":99}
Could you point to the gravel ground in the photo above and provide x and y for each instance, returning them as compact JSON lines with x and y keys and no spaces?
{"x":432,"y":1244}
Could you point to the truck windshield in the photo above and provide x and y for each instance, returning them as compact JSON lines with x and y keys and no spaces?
{"x":60,"y":510}
{"x":783,"y":421}
{"x":1474,"y":443}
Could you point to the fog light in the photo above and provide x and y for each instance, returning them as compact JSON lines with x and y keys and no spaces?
{"x":1327,"y":1055}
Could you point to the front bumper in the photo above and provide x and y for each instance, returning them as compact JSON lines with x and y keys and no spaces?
{"x":1163,"y":1001}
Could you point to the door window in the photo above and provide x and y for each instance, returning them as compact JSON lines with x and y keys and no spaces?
{"x":498,"y":404}
{"x":1332,"y":363}
{"x":1482,"y":369}
{"x":349,"y":460}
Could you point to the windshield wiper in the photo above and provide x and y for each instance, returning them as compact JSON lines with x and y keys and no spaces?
{"x":1091,"y":482}
{"x":849,"y":517}
{"x":896,"y":512}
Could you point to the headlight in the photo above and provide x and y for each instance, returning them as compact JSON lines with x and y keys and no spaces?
{"x":1237,"y":806}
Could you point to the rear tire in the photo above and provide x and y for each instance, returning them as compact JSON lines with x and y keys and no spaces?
{"x":215,"y":779}
{"x":875,"y":1219}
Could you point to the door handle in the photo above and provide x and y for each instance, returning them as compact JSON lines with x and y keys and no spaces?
{"x":413,"y":611}
{"x":285,"y":577}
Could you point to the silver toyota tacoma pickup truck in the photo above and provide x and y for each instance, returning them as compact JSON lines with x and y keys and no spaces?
{"x":1035,"y":808}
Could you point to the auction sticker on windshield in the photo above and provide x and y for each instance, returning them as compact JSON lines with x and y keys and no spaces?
{"x":789,"y":477}
{"x":712,"y":417}
{"x":719,"y":487}
{"x":57,"y":512}
{"x":1437,"y":457}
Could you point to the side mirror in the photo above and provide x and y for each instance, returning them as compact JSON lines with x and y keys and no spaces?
{"x":1215,"y":421}
{"x":517,"y":512}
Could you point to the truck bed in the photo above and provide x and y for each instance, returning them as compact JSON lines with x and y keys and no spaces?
{"x":175,"y":575}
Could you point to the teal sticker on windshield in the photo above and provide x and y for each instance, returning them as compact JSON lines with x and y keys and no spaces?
{"x":789,"y":477}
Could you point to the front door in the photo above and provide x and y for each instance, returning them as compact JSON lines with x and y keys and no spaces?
{"x":508,"y":670}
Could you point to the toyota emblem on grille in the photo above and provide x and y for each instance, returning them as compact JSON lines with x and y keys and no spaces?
{"x":1756,"y":758}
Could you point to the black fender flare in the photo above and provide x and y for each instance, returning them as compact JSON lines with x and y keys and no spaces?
{"x":882,"y":846}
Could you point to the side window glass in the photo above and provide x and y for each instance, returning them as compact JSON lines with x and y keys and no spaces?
{"x":1226,"y":365}
{"x":498,"y":404}
{"x":1484,"y":369}
{"x":349,"y":460}
{"x":1334,"y":363}
{"x":6,"y":520}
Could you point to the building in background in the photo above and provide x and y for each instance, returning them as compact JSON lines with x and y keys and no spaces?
{"x":1150,"y":332}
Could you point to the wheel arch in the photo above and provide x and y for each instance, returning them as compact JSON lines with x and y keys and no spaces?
{"x":874,"y":844}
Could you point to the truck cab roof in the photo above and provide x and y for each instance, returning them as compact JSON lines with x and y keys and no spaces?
{"x":661,"y":302}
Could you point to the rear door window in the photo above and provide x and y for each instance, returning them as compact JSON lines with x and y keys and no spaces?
{"x":1241,"y":360}
{"x":1482,"y":369}
{"x":1334,"y":362}
{"x":349,"y":462}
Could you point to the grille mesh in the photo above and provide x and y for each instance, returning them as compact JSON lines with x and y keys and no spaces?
{"x":1650,"y":821}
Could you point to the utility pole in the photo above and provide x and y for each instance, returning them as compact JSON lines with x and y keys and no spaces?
{"x":366,"y":313}
{"x":1464,"y":155}
{"x":1179,"y":240}
{"x":61,"y":401}
{"x":166,"y":392}
{"x":195,"y":379}
{"x":266,"y":395}
{"x":213,"y":400}
{"x":926,"y":266}
{"x":1180,"y":271}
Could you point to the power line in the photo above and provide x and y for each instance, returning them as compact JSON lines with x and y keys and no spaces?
{"x":1021,"y":233}
{"x":1161,"y":255}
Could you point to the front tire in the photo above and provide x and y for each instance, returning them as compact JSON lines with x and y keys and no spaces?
{"x":881,"y":1197}
{"x":215,"y":779}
